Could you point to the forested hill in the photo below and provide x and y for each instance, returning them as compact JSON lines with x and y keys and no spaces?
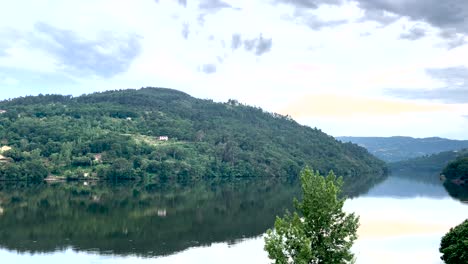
{"x":115,"y":135}
{"x":457,"y":170}
{"x":434,"y":162}
{"x":393,"y":149}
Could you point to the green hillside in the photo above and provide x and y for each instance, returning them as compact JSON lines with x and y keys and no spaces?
{"x":457,"y":170}
{"x":434,"y":162}
{"x":115,"y":135}
{"x":392,"y":149}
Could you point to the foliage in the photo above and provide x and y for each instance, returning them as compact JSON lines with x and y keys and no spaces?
{"x":457,"y":191}
{"x":454,"y":245}
{"x":434,"y":162}
{"x":457,"y":169}
{"x":92,"y":135}
{"x":319,"y":232}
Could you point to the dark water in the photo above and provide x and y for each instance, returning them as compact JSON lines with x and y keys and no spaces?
{"x":217,"y":221}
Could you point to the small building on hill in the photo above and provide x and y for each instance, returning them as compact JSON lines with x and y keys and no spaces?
{"x":4,"y":159}
{"x":2,"y":111}
{"x":163,"y":138}
{"x":98,"y":157}
{"x":4,"y":148}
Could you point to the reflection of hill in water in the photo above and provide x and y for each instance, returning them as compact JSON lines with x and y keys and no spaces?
{"x":408,"y":182}
{"x":144,"y":220}
{"x":395,"y":186}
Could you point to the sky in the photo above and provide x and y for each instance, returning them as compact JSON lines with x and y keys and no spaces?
{"x":348,"y":67}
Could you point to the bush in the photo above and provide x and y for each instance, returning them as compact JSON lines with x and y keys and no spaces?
{"x":454,"y":245}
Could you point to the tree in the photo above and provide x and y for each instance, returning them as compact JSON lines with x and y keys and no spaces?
{"x":319,"y":232}
{"x":121,"y":169}
{"x":454,"y":245}
{"x":457,"y":169}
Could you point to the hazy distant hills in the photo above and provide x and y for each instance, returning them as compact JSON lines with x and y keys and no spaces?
{"x":392,"y":149}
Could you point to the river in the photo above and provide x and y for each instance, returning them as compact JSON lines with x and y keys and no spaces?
{"x":220,"y":221}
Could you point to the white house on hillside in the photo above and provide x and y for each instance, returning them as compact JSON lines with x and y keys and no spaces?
{"x":163,"y":138}
{"x":4,"y":149}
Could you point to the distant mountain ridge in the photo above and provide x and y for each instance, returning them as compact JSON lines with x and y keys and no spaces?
{"x":393,"y":149}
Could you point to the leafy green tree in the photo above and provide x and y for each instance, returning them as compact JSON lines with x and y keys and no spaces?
{"x":454,"y":245}
{"x":35,"y":170}
{"x":457,"y":169}
{"x":319,"y":232}
{"x":121,"y":169}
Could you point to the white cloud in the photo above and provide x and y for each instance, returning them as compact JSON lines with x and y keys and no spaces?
{"x":358,"y":57}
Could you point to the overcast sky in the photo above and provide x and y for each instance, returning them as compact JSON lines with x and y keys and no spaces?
{"x":349,"y":67}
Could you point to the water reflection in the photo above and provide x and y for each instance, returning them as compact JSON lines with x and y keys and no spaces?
{"x":205,"y":221}
{"x":410,"y":183}
{"x":143,"y":219}
{"x":457,"y":191}
{"x":406,"y":186}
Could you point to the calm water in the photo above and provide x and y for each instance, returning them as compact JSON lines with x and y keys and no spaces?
{"x":402,"y":220}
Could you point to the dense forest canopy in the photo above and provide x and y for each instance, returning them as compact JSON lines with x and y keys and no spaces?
{"x":434,"y":162}
{"x":457,"y":169}
{"x":116,"y":135}
{"x":393,"y":149}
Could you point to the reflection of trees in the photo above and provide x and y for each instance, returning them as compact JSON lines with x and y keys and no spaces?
{"x":145,"y":220}
{"x":431,"y":176}
{"x":354,"y":187}
{"x":458,"y":192}
{"x":421,"y":176}
{"x":135,"y":219}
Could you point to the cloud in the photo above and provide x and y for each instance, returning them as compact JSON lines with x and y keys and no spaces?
{"x":183,"y":2}
{"x":311,"y":4}
{"x":454,"y":90}
{"x":447,"y":14}
{"x":208,"y":68}
{"x":3,"y":47}
{"x":213,"y":5}
{"x":185,"y":30}
{"x":448,"y":95}
{"x":105,"y":57}
{"x":414,"y":33}
{"x":340,"y":106}
{"x":236,"y":41}
{"x":315,"y":23}
{"x":302,"y":16}
{"x":452,"y":76}
{"x":303,"y":13}
{"x":380,"y":16}
{"x":258,"y":45}
{"x":8,"y":38}
{"x":453,"y":38}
